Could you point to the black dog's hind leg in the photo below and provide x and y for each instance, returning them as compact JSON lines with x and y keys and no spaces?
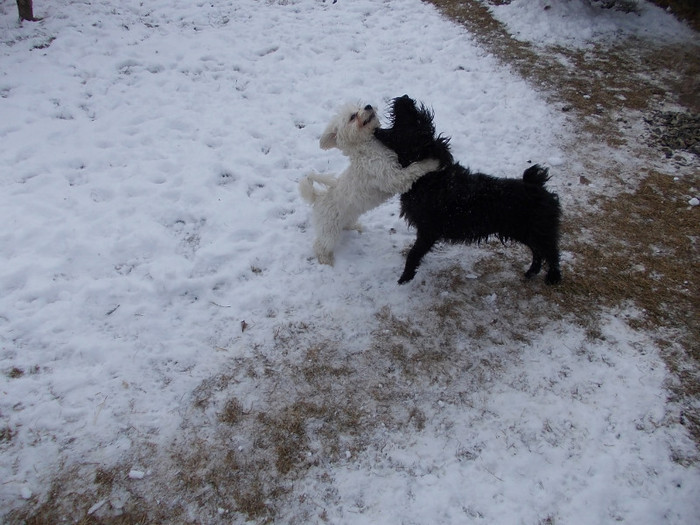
{"x":554,"y":273}
{"x":536,"y":265}
{"x":551,"y":255}
{"x":415,"y":255}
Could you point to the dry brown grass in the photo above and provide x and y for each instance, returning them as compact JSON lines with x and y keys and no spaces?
{"x":640,"y":248}
{"x":687,"y":10}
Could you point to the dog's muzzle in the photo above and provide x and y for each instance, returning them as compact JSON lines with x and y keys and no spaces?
{"x":372,"y":115}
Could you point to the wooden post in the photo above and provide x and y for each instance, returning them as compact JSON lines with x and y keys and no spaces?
{"x":26,"y":11}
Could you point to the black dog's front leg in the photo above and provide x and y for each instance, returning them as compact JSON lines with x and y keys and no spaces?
{"x":415,"y":255}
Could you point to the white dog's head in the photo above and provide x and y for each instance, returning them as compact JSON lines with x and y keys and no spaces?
{"x":353,"y":125}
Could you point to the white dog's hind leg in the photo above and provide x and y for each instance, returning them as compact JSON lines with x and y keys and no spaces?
{"x":329,"y":225}
{"x":323,"y":253}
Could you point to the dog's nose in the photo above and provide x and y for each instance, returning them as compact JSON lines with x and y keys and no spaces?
{"x":368,"y":108}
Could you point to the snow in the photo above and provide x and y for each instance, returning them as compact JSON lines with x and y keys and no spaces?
{"x":154,"y":239}
{"x":581,"y":24}
{"x":136,"y":474}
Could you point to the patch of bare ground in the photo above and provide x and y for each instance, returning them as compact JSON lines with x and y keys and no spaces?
{"x":266,"y":431}
{"x":638,"y":242}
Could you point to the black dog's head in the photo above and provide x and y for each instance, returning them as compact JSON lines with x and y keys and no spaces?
{"x":412,"y":134}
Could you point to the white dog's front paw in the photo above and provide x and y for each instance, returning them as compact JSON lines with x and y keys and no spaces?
{"x":429,"y":164}
{"x":357,"y":227}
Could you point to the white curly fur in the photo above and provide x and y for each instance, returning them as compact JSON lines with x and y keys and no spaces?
{"x":373,"y":176}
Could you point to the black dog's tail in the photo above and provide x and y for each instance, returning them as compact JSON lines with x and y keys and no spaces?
{"x":536,"y":175}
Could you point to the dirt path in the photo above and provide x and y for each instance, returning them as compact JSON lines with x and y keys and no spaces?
{"x":642,"y":246}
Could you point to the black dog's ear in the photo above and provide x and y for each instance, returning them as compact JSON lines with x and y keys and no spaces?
{"x":427,"y":118}
{"x":442,"y":150}
{"x":403,"y":102}
{"x":397,"y":106}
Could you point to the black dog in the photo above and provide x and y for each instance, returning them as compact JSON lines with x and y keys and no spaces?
{"x":455,"y":205}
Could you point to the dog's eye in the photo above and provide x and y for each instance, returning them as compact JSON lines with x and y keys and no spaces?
{"x":353,"y":117}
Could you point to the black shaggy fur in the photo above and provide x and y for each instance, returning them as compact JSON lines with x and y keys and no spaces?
{"x":412,"y":134}
{"x":455,"y":205}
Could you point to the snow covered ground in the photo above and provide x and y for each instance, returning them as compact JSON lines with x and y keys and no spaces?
{"x":157,"y":262}
{"x":581,"y":24}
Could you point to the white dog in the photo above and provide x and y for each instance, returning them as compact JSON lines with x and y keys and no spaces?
{"x":373,"y":176}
